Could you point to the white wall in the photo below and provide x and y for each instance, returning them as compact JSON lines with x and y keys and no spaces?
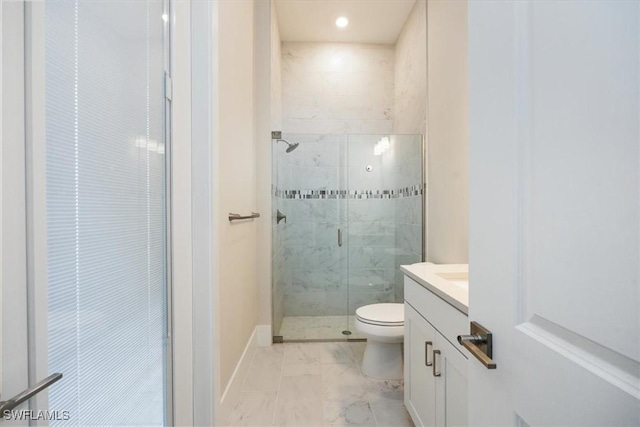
{"x":337,"y":88}
{"x":262,"y":146}
{"x":431,"y":99}
{"x":236,"y":171}
{"x":182,"y":305}
{"x":447,"y":107}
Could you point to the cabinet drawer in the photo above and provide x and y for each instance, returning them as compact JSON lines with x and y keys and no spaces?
{"x":444,"y":317}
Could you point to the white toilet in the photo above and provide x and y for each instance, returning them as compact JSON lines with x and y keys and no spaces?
{"x":383,"y":326}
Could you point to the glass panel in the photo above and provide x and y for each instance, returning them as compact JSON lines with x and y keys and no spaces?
{"x":385,"y":216}
{"x":408,"y":154}
{"x":313,"y":268}
{"x":106,"y":219}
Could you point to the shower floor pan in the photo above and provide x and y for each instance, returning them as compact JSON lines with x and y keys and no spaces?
{"x":296,"y":328}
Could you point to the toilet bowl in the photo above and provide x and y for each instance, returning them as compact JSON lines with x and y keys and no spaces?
{"x":383,"y":326}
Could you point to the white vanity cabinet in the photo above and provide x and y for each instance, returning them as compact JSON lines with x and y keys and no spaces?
{"x":435,"y":367}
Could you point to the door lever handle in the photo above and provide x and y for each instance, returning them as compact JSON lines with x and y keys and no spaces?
{"x":339,"y":238}
{"x":8,"y":405}
{"x":480,"y":344}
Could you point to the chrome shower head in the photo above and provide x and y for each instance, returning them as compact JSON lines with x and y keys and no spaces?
{"x":290,"y":147}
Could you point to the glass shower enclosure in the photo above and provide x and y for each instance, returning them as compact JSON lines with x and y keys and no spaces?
{"x":347,"y":212}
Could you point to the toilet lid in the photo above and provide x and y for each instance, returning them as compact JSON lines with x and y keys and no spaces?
{"x":382,"y":314}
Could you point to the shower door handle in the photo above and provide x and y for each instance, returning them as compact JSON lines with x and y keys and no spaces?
{"x":339,"y":238}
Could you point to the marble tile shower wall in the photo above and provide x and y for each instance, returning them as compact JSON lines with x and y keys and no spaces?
{"x":318,"y":278}
{"x":337,"y":88}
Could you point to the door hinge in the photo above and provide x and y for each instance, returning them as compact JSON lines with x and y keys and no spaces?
{"x":168,"y":86}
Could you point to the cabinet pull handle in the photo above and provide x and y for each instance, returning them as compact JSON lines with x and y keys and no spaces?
{"x":436,"y":373}
{"x":426,"y":353}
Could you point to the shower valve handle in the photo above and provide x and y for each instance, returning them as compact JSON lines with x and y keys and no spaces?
{"x":280,"y":216}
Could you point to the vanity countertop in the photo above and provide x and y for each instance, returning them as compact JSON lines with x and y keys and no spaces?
{"x":450,"y":282}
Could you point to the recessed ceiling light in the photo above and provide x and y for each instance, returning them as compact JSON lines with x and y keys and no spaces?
{"x":342,"y":22}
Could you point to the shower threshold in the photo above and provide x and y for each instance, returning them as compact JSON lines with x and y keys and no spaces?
{"x":319,"y":328}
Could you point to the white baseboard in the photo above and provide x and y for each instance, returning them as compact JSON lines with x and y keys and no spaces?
{"x":234,"y":387}
{"x":263,"y":332}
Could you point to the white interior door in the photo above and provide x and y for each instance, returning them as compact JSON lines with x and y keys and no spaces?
{"x":554,"y":211}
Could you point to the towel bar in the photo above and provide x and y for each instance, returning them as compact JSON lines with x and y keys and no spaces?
{"x":236,"y":217}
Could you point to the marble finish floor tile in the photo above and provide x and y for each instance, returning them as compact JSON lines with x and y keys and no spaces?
{"x":394,"y":415}
{"x":318,"y":328}
{"x":317,"y":384}
{"x":336,"y":352}
{"x":301,"y":353}
{"x":357,"y":413}
{"x":265,"y":369}
{"x":254,"y":408}
{"x":385,"y":391}
{"x":299,"y":401}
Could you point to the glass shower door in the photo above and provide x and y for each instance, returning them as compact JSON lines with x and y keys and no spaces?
{"x":311,"y":264}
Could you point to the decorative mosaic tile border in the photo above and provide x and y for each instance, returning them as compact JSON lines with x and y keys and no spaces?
{"x":414,"y":190}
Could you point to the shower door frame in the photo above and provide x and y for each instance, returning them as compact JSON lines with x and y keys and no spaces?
{"x":279,"y":338}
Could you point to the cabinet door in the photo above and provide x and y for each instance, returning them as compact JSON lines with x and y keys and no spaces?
{"x":451,"y":385}
{"x":420,"y":391}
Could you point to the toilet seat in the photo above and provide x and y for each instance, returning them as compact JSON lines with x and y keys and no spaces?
{"x":384,"y":314}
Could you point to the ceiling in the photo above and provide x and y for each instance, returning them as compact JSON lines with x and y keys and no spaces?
{"x":370,"y":21}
